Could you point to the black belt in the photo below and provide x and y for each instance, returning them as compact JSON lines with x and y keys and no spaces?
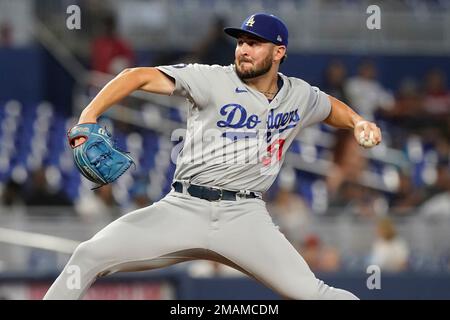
{"x":212,"y":194}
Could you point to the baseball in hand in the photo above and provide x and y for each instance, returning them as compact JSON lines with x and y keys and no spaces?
{"x":367,"y":143}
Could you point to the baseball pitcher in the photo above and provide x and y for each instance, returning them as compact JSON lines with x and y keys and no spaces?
{"x":241,"y":120}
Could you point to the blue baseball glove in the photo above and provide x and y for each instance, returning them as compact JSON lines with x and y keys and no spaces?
{"x":97,"y":158}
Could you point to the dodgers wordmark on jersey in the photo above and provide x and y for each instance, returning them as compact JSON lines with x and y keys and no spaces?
{"x":236,"y":139}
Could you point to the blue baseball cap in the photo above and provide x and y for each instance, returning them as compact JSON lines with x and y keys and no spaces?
{"x":262,"y":25}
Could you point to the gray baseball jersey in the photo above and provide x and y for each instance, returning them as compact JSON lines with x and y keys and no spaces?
{"x":236,"y":139}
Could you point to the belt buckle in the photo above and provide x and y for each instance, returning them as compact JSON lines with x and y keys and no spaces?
{"x":220,"y":194}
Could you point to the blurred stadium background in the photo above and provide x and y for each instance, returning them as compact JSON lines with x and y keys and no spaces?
{"x":344,"y":208}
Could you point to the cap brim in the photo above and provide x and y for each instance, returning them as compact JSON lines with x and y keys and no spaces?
{"x":236,"y":32}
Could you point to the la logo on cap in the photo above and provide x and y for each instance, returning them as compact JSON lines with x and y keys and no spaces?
{"x":250,"y":21}
{"x":279,"y":38}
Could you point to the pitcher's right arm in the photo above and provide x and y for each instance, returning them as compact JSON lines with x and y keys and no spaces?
{"x":144,"y":78}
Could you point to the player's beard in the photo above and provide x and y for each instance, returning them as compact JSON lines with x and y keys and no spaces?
{"x":256,"y":71}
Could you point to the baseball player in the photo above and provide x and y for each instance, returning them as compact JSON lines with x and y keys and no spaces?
{"x":214,"y":210}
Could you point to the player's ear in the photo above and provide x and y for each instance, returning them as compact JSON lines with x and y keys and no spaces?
{"x":279,"y":52}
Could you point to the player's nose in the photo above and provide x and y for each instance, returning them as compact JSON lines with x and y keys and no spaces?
{"x":244,"y":57}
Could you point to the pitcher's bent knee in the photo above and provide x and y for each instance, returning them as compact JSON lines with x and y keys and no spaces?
{"x":88,"y":255}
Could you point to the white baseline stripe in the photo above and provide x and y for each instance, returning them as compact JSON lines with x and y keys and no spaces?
{"x":37,"y":240}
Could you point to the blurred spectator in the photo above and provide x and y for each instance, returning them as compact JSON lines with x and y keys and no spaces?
{"x":345,"y":144}
{"x":347,"y":155}
{"x":348,"y":162}
{"x":360,"y":201}
{"x":310,"y":251}
{"x":365,"y":93}
{"x":5,"y":35}
{"x":98,"y":205}
{"x":216,"y":47}
{"x":320,"y":257}
{"x":11,"y":200}
{"x":290,"y":213}
{"x":442,"y":146}
{"x":330,"y":260}
{"x":389,"y":251}
{"x":437,"y":96}
{"x":438,"y":203}
{"x":289,"y":210}
{"x":110,"y":53}
{"x":335,"y":79}
{"x":408,"y":106}
{"x":12,"y":194}
{"x":438,"y":206}
{"x":42,"y":193}
{"x":407,"y":198}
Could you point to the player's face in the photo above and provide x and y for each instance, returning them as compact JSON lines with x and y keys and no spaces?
{"x":253,"y":57}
